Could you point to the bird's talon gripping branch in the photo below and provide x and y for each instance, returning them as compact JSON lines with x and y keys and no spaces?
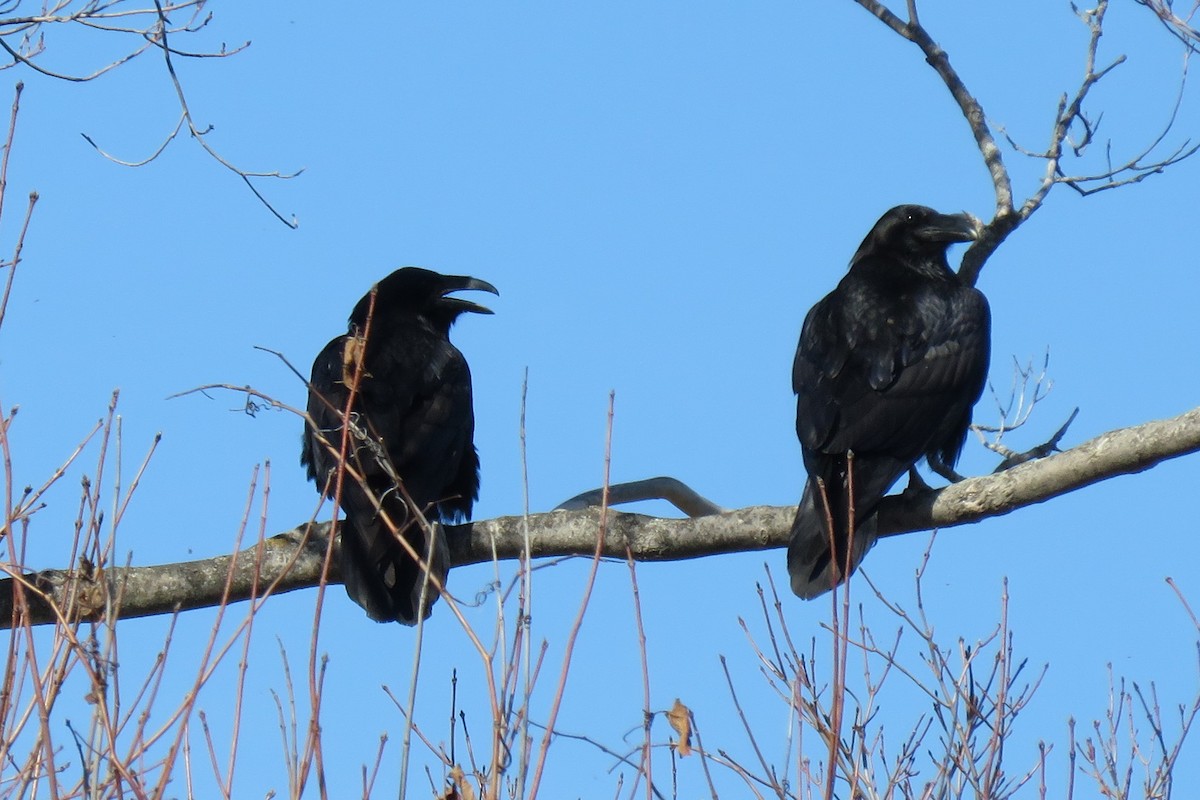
{"x":943,"y":469}
{"x":916,"y":484}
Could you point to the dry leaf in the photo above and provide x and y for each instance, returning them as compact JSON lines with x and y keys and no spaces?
{"x":680,"y":717}
{"x":352,"y":355}
{"x":459,"y":788}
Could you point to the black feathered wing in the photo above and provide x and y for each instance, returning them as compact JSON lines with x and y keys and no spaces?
{"x":418,"y":398}
{"x":414,"y":406}
{"x":891,"y":376}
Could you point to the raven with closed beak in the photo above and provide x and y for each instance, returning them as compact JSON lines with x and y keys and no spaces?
{"x":406,"y":391}
{"x":889,"y":366}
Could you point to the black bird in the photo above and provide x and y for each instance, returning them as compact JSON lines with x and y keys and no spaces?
{"x":413,"y":424}
{"x":888,"y":367}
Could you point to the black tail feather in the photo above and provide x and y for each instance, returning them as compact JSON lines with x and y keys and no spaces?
{"x":816,"y":560}
{"x":381,"y":576}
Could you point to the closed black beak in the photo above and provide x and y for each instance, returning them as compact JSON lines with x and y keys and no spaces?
{"x":951,"y":228}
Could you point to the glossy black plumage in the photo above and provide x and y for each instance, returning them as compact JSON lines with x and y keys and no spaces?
{"x":889,"y":366}
{"x":414,"y":420}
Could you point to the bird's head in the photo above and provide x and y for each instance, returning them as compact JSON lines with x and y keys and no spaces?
{"x":422,"y":292}
{"x":918,"y":233}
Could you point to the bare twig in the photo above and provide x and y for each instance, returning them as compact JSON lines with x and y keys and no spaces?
{"x":23,"y":39}
{"x":159,"y":38}
{"x":1179,"y":26}
{"x":1012,"y":458}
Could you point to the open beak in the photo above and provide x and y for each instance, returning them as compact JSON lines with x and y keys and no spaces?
{"x":462,"y":283}
{"x":962,"y":227}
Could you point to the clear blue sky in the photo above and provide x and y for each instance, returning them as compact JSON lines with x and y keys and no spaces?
{"x":659,"y":192}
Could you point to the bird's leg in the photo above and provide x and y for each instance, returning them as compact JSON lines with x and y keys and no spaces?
{"x":916,"y":484}
{"x":945,"y":470}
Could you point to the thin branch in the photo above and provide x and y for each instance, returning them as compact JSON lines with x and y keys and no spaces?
{"x":26,"y":60}
{"x":170,"y":138}
{"x":159,"y":38}
{"x":1013,"y":458}
{"x":23,"y":39}
{"x":1179,"y":27}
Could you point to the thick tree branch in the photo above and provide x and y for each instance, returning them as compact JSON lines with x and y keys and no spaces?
{"x":293,"y":560}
